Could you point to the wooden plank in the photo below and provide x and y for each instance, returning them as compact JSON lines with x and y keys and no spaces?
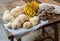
{"x":19,"y":39}
{"x":49,"y":35}
{"x":42,"y":38}
{"x":56,"y":32}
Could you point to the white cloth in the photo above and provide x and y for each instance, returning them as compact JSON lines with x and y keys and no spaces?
{"x":21,"y":31}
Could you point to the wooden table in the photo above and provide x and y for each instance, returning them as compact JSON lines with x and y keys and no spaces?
{"x":52,"y":22}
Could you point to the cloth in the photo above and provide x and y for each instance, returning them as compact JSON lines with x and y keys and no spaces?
{"x":21,"y":32}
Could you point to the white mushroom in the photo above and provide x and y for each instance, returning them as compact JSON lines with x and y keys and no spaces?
{"x":27,"y":25}
{"x":21,"y":18}
{"x":16,"y":11}
{"x":6,"y":12}
{"x":34,"y":20}
{"x":16,"y":25}
{"x":7,"y":18}
{"x":9,"y":25}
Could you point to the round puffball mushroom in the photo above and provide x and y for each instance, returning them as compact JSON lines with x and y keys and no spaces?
{"x":21,"y":18}
{"x":16,"y":11}
{"x":9,"y":25}
{"x":7,"y":18}
{"x":34,"y":20}
{"x":27,"y":25}
{"x":16,"y":25}
{"x":6,"y":12}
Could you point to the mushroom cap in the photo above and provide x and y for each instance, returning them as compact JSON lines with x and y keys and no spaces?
{"x":27,"y":25}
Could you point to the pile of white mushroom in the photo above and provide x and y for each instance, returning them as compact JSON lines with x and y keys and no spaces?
{"x":16,"y":19}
